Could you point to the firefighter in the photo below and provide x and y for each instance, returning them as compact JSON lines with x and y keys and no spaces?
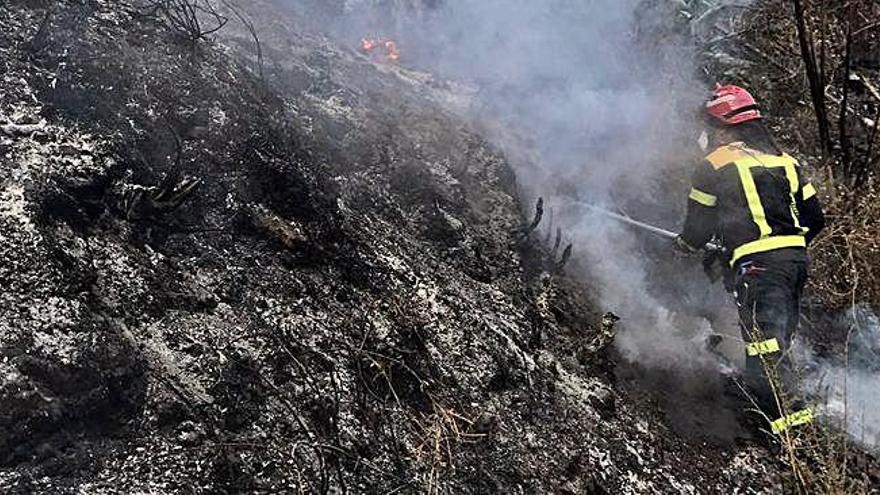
{"x":754,"y":200}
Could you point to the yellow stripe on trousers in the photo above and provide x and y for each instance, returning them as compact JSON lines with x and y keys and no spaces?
{"x":801,"y":417}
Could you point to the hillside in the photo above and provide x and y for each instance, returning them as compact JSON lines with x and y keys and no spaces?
{"x":299,"y":272}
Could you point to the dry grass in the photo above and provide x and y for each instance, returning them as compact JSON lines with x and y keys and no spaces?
{"x":847,"y":255}
{"x":441,"y":433}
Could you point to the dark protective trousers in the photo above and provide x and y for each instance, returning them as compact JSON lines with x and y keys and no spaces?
{"x":768,"y":288}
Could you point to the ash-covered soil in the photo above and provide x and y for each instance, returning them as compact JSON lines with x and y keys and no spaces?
{"x":312,"y":281}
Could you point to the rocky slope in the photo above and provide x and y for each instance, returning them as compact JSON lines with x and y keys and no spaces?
{"x":310,"y":281}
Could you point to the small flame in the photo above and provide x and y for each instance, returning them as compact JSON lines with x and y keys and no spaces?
{"x":369,"y":46}
{"x":392,"y":51}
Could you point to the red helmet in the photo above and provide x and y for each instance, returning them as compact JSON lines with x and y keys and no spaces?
{"x":731,"y":105}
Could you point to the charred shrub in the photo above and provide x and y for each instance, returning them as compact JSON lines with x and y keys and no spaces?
{"x":506,"y":376}
{"x":285,"y":189}
{"x":189,"y":20}
{"x":418,"y":185}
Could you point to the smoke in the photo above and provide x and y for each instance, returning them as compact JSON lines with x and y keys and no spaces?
{"x":591,"y":101}
{"x":847,"y":388}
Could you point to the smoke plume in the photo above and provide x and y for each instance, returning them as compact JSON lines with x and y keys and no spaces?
{"x":847,"y":386}
{"x":590,"y":105}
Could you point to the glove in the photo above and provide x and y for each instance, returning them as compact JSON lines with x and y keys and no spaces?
{"x":681,"y":247}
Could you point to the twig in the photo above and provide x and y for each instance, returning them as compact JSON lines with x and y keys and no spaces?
{"x":556,"y":243}
{"x":539,"y":214}
{"x":182,"y":16}
{"x":249,"y":25}
{"x":550,"y":226}
{"x":37,"y":43}
{"x":865,"y":29}
{"x":752,"y":48}
{"x":566,"y":255}
{"x":845,"y":141}
{"x":869,"y":86}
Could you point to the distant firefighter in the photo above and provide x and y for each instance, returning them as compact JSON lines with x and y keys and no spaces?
{"x":755,"y":201}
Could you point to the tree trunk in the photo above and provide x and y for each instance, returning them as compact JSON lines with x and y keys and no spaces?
{"x":848,"y":164}
{"x":817,"y":85}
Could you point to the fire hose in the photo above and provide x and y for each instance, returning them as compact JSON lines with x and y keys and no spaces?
{"x":711,"y":246}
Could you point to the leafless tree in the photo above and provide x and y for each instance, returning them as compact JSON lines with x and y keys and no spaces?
{"x":834,"y":34}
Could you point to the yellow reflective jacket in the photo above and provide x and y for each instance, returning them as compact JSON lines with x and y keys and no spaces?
{"x":752,"y":202}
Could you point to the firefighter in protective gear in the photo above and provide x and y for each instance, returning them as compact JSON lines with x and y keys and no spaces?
{"x":755,"y":201}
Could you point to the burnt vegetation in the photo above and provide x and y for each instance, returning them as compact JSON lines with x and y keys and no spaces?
{"x":191,"y":20}
{"x":226,"y":289}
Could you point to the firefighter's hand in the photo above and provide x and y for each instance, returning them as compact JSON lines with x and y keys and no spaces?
{"x":681,"y":248}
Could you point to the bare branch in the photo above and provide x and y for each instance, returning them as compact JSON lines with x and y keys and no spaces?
{"x":249,"y":25}
{"x":183,"y":17}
